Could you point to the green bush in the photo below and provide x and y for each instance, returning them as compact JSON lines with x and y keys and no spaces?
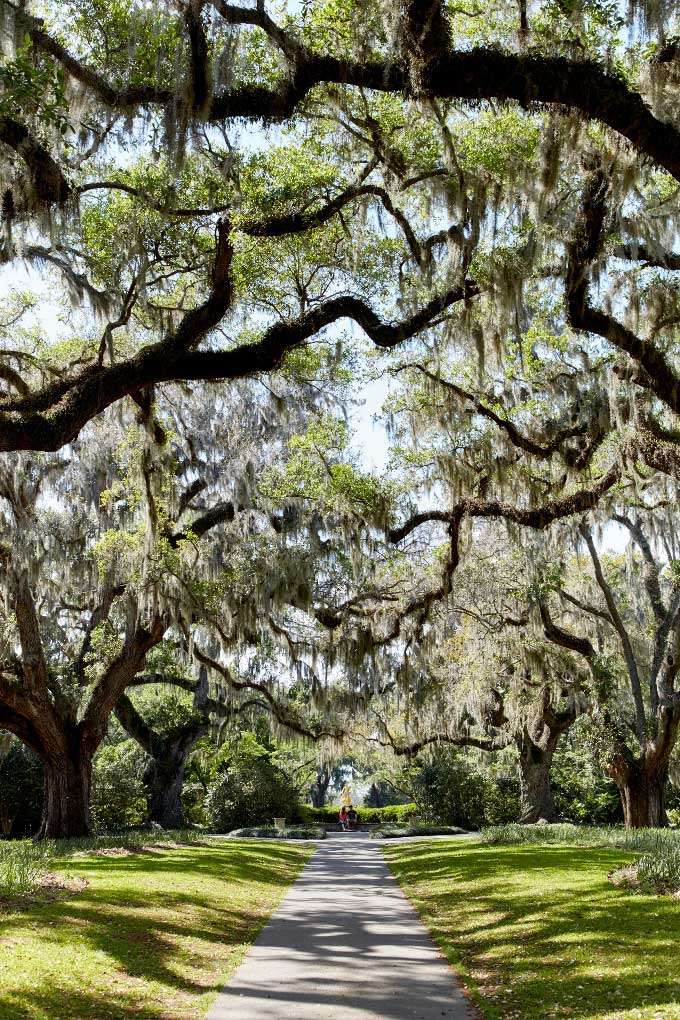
{"x":394,"y":832}
{"x":367,"y":816}
{"x":250,"y":789}
{"x":269,"y":832}
{"x":453,"y":788}
{"x":660,"y":871}
{"x":581,"y":792}
{"x":118,"y":795}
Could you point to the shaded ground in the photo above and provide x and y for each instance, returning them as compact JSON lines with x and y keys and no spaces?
{"x":540,"y":932}
{"x":152,"y":936}
{"x":345,"y":944}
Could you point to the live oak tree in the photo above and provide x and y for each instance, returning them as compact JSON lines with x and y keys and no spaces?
{"x":488,"y":681}
{"x":551,"y":432}
{"x":140,"y":167}
{"x":138,"y":559}
{"x":67,"y":652}
{"x":168,"y":729}
{"x":623,"y":621}
{"x":105,"y":554}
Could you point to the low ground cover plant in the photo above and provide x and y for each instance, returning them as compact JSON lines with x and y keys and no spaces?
{"x":270,"y":832}
{"x":395,"y":831}
{"x":23,"y":864}
{"x":659,"y":871}
{"x":128,"y":839}
{"x":651,"y":840}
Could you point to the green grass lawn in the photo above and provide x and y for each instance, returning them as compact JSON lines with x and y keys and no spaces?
{"x":153,"y":935}
{"x":540,"y":932}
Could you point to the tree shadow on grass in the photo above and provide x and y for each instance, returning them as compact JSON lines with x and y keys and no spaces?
{"x":41,"y":1005}
{"x":232,"y":863}
{"x":172,"y":921}
{"x":545,"y":923}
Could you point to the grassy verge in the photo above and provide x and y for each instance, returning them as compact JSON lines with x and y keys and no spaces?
{"x":24,"y":864}
{"x":540,"y":932}
{"x":152,"y":936}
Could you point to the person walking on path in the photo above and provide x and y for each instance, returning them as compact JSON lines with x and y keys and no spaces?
{"x":343,"y":818}
{"x":352,"y":817}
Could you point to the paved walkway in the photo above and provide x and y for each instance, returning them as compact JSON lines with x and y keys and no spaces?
{"x":345,"y":944}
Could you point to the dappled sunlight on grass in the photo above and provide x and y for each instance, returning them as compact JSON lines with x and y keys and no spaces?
{"x":541,"y":932}
{"x":152,"y":936}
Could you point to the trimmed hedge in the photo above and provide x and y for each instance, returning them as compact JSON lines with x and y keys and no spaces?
{"x":393,"y":813}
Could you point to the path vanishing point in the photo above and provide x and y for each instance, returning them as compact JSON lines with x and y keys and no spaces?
{"x":345,"y":944}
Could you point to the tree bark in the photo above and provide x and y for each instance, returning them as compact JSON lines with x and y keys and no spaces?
{"x":165,"y":780}
{"x":66,"y":805}
{"x":642,"y":787}
{"x":536,"y":799}
{"x":164,"y":776}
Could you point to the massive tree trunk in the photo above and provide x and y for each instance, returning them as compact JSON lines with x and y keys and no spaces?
{"x":642,"y":779}
{"x":165,"y":780}
{"x":536,"y":744}
{"x":642,"y":786}
{"x":536,"y":799}
{"x":164,"y":776}
{"x":66,"y":804}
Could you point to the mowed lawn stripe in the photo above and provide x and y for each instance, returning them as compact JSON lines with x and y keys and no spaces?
{"x":152,"y":936}
{"x":540,"y":931}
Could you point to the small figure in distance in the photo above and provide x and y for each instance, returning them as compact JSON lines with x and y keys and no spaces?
{"x":343,"y":818}
{"x":352,"y":817}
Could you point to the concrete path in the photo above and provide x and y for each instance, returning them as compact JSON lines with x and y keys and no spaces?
{"x":345,"y":944}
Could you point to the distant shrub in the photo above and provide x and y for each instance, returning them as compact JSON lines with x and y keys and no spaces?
{"x":118,"y":794}
{"x":394,"y":832}
{"x":452,"y":789}
{"x":21,"y":790}
{"x":581,"y":791}
{"x":250,"y":790}
{"x":267,"y":832}
{"x":383,"y":794}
